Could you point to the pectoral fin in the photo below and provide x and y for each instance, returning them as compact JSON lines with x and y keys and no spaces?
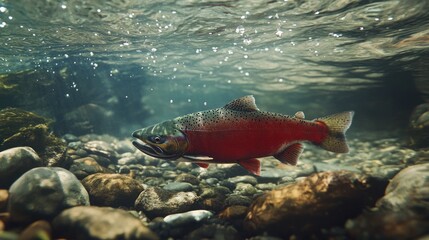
{"x":198,"y":158}
{"x":203,"y":165}
{"x":252,"y":165}
{"x":291,"y":154}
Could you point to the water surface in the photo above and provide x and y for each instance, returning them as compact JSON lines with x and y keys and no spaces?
{"x":167,"y":58}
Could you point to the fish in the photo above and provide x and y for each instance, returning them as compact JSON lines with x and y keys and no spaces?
{"x":241,"y":133}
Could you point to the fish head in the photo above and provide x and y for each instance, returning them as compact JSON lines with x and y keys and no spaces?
{"x":163,"y":140}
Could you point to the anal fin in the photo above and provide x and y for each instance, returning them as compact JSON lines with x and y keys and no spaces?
{"x":252,"y":165}
{"x":291,"y":154}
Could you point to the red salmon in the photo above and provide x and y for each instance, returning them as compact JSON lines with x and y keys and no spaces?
{"x":240,"y":133}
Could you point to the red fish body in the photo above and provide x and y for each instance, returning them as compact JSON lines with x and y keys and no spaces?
{"x":240,"y":133}
{"x":250,"y":138}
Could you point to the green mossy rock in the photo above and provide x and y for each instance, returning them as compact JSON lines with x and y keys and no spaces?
{"x":22,"y":128}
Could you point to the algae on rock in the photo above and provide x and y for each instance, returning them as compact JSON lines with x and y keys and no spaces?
{"x":22,"y":128}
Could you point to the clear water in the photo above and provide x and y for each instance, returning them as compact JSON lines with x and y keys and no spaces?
{"x":148,"y":61}
{"x":110,"y":67}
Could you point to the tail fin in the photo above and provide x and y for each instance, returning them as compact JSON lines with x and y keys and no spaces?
{"x":337,"y":125}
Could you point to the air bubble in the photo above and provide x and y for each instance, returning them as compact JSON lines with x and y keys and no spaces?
{"x":240,"y":30}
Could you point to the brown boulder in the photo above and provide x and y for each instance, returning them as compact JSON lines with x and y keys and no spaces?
{"x":38,"y":230}
{"x":86,"y":166}
{"x":4,"y":196}
{"x":113,"y":190}
{"x":321,"y":200}
{"x":234,"y":212}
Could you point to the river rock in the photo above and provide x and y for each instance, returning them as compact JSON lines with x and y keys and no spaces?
{"x":100,"y":223}
{"x":421,"y":157}
{"x":68,"y":137}
{"x":169,"y":174}
{"x":128,"y":160}
{"x":153,"y":181}
{"x":211,"y":181}
{"x":215,"y":232}
{"x":265,"y":186}
{"x":149,"y":161}
{"x":43,"y":192}
{"x":231,"y":170}
{"x":38,"y":230}
{"x":124,"y":170}
{"x":389,"y":225}
{"x":124,"y":147}
{"x":244,"y":179}
{"x":234,"y":212}
{"x":213,"y":173}
{"x":235,"y":199}
{"x":113,"y":190}
{"x":157,"y":202}
{"x":276,"y":174}
{"x":213,"y":198}
{"x":209,"y":192}
{"x":4,"y":196}
{"x":179,"y":224}
{"x":179,"y":187}
{"x":214,"y":203}
{"x":188,"y":178}
{"x":86,"y":166}
{"x":16,"y":161}
{"x":184,"y":166}
{"x":101,"y":148}
{"x":186,"y":218}
{"x":408,"y":189}
{"x":2,"y":227}
{"x":234,"y":215}
{"x":404,"y":208}
{"x":245,"y":189}
{"x":419,"y":127}
{"x":321,"y":200}
{"x":150,"y":171}
{"x":230,"y":185}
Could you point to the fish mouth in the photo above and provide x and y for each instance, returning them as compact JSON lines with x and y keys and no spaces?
{"x":153,"y":151}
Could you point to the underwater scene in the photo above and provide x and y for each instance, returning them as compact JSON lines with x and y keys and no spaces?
{"x":214,"y":119}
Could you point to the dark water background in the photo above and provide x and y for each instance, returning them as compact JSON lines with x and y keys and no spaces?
{"x":115,"y":66}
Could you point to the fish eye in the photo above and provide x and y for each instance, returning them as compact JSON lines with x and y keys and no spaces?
{"x":157,"y":139}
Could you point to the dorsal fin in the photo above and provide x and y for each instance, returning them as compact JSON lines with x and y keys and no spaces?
{"x":243,"y":104}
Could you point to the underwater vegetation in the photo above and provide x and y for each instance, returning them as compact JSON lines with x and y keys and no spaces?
{"x":22,"y":128}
